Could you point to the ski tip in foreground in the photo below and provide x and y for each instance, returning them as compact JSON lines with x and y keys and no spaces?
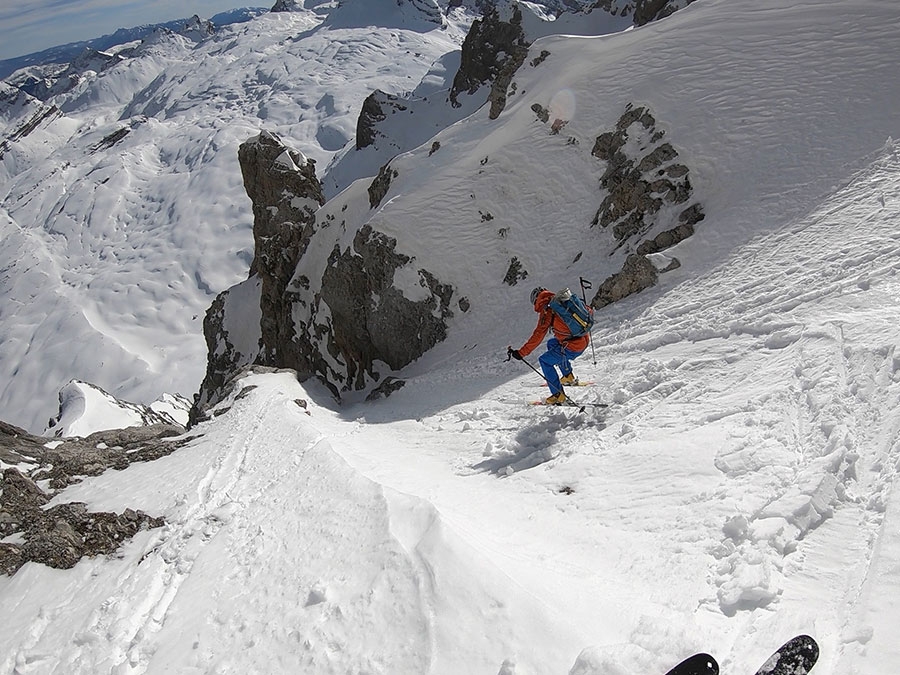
{"x":698,"y":664}
{"x":795,"y":657}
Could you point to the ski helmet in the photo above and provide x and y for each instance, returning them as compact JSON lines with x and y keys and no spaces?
{"x":535,"y":293}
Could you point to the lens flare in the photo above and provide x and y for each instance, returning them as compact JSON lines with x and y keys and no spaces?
{"x":562,"y":105}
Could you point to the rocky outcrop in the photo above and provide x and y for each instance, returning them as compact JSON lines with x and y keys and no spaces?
{"x":380,"y":185}
{"x":223,"y":358}
{"x":652,"y":10}
{"x":643,"y":181}
{"x":637,"y":274}
{"x":353,"y":308}
{"x":252,"y":323}
{"x":375,"y":109}
{"x":286,"y":194}
{"x":370,"y":319}
{"x":642,"y":11}
{"x":61,"y":535}
{"x":515,"y":272}
{"x":494,"y":49}
{"x":287,"y":6}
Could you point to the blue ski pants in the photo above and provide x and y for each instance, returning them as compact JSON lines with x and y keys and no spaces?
{"x":556,"y":355}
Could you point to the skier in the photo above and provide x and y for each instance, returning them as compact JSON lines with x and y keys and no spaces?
{"x":561,"y":348}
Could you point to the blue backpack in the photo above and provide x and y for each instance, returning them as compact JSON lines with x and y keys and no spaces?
{"x":571,"y":309}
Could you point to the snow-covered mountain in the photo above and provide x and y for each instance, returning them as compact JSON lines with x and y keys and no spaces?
{"x":127,"y":213}
{"x":738,"y":490}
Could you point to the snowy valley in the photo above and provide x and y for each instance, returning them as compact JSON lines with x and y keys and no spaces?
{"x":738,"y":488}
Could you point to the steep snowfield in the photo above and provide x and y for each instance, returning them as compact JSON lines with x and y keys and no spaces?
{"x":739,"y":489}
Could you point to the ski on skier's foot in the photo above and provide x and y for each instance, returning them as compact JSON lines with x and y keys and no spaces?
{"x":569,"y":403}
{"x":794,"y":657}
{"x":698,"y":664}
{"x":579,"y":383}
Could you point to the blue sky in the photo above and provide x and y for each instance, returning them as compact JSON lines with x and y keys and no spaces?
{"x":28,"y":26}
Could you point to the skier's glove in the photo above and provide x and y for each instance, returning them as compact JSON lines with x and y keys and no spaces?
{"x":514,"y":353}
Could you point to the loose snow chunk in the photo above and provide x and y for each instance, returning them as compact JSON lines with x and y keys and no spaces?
{"x":778,"y":532}
{"x":746,"y":582}
{"x":808,"y":509}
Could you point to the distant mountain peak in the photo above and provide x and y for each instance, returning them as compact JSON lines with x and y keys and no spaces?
{"x":198,"y":29}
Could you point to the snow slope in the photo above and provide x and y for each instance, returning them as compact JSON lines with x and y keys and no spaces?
{"x":737,"y":492}
{"x":739,"y":489}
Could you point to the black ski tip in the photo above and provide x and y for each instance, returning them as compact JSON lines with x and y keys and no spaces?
{"x":698,"y":664}
{"x":795,"y":657}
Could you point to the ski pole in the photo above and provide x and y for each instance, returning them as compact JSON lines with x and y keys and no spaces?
{"x":509,"y":351}
{"x":587,"y":284}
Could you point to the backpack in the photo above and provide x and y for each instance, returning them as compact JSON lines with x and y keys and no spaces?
{"x":571,"y":309}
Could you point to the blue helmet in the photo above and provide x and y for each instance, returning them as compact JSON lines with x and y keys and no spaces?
{"x":535,"y":293}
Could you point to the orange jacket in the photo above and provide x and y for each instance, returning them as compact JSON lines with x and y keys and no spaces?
{"x":547,"y":320}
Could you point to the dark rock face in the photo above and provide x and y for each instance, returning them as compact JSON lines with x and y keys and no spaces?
{"x":286,"y":194}
{"x":381,"y":184}
{"x":642,"y":11}
{"x":222,"y":358}
{"x":386,"y":388}
{"x":637,"y":274}
{"x":647,"y":203}
{"x":373,"y":321}
{"x":492,"y":52}
{"x":225,"y":354}
{"x":369,"y":117}
{"x":60,"y":536}
{"x":287,"y":6}
{"x":639,"y":187}
{"x":652,"y":10}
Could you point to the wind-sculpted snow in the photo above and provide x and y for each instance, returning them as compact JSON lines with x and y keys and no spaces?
{"x":314,"y":589}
